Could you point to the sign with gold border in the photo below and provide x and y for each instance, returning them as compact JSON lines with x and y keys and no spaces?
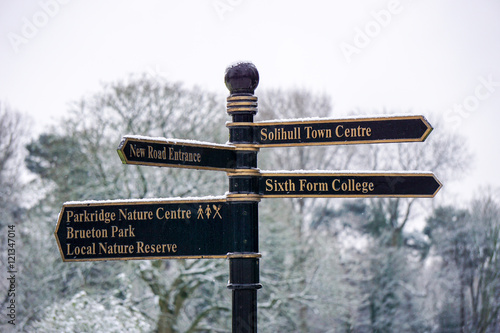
{"x":294,"y":184}
{"x":326,"y":131}
{"x":141,"y":150}
{"x":145,"y":229}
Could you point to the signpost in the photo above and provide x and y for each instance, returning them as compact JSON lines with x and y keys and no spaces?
{"x":227,"y":226}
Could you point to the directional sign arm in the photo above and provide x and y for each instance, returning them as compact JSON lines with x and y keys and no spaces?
{"x":145,"y":229}
{"x":327,"y":131}
{"x":176,"y":153}
{"x":348,"y":184}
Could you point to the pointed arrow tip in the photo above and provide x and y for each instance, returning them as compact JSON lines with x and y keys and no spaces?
{"x":428,"y":130}
{"x":440,"y":185}
{"x":122,"y":156}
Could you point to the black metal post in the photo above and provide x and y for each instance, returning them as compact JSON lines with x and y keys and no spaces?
{"x":241,"y":80}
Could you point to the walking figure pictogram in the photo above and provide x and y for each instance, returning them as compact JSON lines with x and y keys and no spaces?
{"x":200,"y":213}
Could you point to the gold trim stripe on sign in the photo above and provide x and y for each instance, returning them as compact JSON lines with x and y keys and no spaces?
{"x":180,"y":166}
{"x":180,"y":143}
{"x":151,"y":258}
{"x":332,"y":120}
{"x":267,"y":173}
{"x":139,"y":202}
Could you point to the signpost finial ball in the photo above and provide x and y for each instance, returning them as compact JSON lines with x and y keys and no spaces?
{"x":241,"y":78}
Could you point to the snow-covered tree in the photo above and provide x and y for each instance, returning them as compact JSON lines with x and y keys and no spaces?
{"x":13,"y":129}
{"x":343,"y":265}
{"x":377,"y":280}
{"x":78,"y":161}
{"x":467,"y":246}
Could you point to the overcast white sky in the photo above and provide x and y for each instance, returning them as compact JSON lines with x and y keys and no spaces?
{"x":422,"y":57}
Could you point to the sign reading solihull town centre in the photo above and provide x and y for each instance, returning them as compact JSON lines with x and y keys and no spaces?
{"x":227,"y":226}
{"x":302,"y":132}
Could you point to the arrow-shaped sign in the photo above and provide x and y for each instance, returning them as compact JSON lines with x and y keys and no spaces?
{"x":145,"y":229}
{"x":348,"y":184}
{"x":176,"y":153}
{"x":326,"y":131}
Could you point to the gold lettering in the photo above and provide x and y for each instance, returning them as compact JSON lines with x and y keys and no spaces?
{"x":102,"y":248}
{"x":352,"y":132}
{"x":156,"y":248}
{"x":276,"y":186}
{"x":161,"y":214}
{"x":305,"y":185}
{"x":308,"y":129}
{"x":134,"y":215}
{"x":157,"y":154}
{"x":80,"y":250}
{"x":132,"y":150}
{"x":339,"y":127}
{"x":71,"y":233}
{"x":358,"y":187}
{"x":115,"y":248}
{"x":127,"y":232}
{"x":352,"y":186}
{"x":158,"y":213}
{"x":96,"y":216}
{"x":182,"y":156}
{"x":269,"y":185}
{"x":318,"y":133}
{"x":280,"y":134}
{"x":137,"y":152}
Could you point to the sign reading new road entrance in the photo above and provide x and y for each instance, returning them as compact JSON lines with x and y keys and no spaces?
{"x":176,"y":153}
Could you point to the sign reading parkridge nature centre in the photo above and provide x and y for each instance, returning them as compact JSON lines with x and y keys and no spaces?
{"x":142,"y":229}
